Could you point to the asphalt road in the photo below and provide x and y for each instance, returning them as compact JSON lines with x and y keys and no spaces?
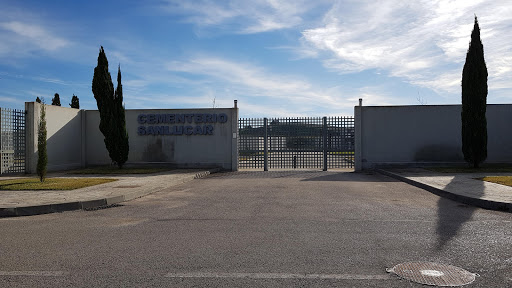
{"x":257,"y":229}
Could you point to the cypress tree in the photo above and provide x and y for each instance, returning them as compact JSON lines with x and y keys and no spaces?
{"x":103,"y":91}
{"x":474,"y":101}
{"x":75,"y":103}
{"x":42,"y":160}
{"x":56,"y":100}
{"x":121,"y":136}
{"x":110,"y":106}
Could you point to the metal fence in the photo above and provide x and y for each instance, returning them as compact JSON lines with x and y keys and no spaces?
{"x":12,"y":141}
{"x":251,"y":143}
{"x":294,"y":143}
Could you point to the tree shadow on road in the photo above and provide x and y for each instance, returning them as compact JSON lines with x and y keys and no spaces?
{"x":351,"y":177}
{"x":452,"y":215}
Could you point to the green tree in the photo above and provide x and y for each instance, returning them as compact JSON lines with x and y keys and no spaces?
{"x":120,"y":134}
{"x":56,"y":100}
{"x":110,"y":106}
{"x":42,"y":160}
{"x":38,"y":100}
{"x":75,"y":102}
{"x":474,"y":101}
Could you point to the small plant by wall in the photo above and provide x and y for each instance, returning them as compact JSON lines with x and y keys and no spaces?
{"x":42,"y":160}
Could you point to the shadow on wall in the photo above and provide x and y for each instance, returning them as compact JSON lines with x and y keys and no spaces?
{"x":155,"y":151}
{"x":451,"y":215}
{"x":439,"y":153}
{"x":64,"y":142}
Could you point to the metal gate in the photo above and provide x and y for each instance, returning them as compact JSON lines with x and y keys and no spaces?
{"x":12,"y":141}
{"x":295,"y":143}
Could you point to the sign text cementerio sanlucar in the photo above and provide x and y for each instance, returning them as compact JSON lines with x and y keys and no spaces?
{"x":203,"y":123}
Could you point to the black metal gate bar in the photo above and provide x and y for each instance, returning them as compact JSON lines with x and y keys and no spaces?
{"x":340,"y":142}
{"x":295,"y":143}
{"x":250,"y":143}
{"x":324,"y":142}
{"x":265,"y":144}
{"x":12,"y":141}
{"x":292,"y":143}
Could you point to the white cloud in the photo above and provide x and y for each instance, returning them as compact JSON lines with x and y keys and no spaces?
{"x":246,"y":17}
{"x":25,"y":37}
{"x":52,"y":80}
{"x":445,"y":82}
{"x":8,"y":99}
{"x":234,"y":72}
{"x":424,"y":42}
{"x":255,"y":86}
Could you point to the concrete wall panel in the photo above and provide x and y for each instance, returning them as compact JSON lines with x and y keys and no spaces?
{"x":64,"y":138}
{"x":424,"y":134}
{"x":74,"y":139}
{"x":180,"y":150}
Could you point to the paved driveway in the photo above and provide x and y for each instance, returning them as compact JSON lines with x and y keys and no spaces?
{"x":259,"y":229}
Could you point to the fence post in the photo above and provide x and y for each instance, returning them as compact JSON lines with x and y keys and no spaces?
{"x":358,"y":135}
{"x":236,"y":137}
{"x":324,"y":134}
{"x":265,"y":145}
{"x":1,"y":146}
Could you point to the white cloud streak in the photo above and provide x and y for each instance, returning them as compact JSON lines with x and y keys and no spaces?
{"x":424,"y":42}
{"x":244,"y":17}
{"x":257,"y":88}
{"x":20,"y":38}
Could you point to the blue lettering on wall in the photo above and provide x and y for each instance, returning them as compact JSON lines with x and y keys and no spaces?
{"x":189,"y":117}
{"x":151,"y":119}
{"x":161,"y":118}
{"x":223,"y":118}
{"x":177,"y":130}
{"x":141,"y":119}
{"x":200,"y":118}
{"x":198,"y":130}
{"x":180,"y":118}
{"x":208,"y":130}
{"x":157,"y":130}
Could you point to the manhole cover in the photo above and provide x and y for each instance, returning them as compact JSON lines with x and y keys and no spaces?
{"x":435,"y":274}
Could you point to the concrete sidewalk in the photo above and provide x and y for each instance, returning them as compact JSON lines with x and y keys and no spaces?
{"x":461,"y":187}
{"x":128,"y":187}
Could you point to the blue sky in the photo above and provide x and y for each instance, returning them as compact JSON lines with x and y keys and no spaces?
{"x":277,"y":57}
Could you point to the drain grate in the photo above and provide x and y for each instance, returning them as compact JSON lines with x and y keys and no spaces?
{"x":434,"y":274}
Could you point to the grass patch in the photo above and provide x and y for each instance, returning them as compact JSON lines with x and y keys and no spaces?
{"x":503,"y":180}
{"x":116,"y":170}
{"x":342,"y":153}
{"x":51,"y":183}
{"x":467,"y":169}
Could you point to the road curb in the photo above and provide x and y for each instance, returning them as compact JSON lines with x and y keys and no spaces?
{"x":486,"y":204}
{"x":88,"y":204}
{"x":206,"y":173}
{"x":60,"y":207}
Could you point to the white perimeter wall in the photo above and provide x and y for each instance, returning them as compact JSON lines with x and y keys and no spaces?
{"x":394,"y":135}
{"x":74,"y":140}
{"x":64,"y":137}
{"x":219,"y":149}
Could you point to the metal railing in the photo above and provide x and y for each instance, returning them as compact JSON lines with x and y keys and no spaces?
{"x":296,"y":143}
{"x":12,"y":141}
